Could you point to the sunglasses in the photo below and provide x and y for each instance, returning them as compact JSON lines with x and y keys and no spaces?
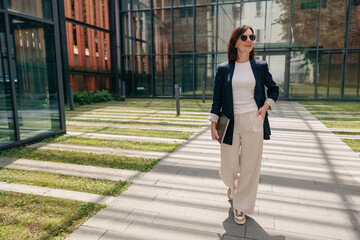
{"x":244,"y":37}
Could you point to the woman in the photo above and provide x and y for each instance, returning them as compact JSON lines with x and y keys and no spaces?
{"x":239,"y":94}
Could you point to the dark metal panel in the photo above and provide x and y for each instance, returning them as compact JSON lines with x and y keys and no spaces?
{"x":348,"y":6}
{"x":59,"y":64}
{"x":194,"y":47}
{"x":12,"y":74}
{"x":88,"y":25}
{"x":29,"y":17}
{"x":64,"y":52}
{"x":113,"y":39}
{"x":317,"y":50}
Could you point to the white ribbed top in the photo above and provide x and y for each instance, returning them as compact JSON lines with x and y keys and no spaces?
{"x":243,"y":86}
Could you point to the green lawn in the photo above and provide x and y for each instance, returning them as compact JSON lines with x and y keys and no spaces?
{"x":82,"y":158}
{"x":51,"y":180}
{"x":351,"y":125}
{"x":353,"y":143}
{"x":26,"y":216}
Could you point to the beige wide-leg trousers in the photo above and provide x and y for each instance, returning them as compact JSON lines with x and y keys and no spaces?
{"x":241,"y":161}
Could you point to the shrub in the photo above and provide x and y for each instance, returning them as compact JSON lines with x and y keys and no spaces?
{"x":89,"y":97}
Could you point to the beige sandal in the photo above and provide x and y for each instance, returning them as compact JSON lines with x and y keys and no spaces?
{"x":229,"y":194}
{"x":239,"y":217}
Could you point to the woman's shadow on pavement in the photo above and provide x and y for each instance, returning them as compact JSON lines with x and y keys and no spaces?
{"x":250,"y":230}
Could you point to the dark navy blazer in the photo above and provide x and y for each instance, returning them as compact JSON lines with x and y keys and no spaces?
{"x":223,"y":98}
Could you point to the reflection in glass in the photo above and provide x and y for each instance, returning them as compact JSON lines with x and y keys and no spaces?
{"x":88,"y":82}
{"x":305,"y":22}
{"x":302,"y":74}
{"x":352,"y":83}
{"x":7,"y":133}
{"x":183,"y":3}
{"x":161,"y":3}
{"x":88,"y":49}
{"x":205,"y":2}
{"x":127,"y":67}
{"x":184,"y":74}
{"x":253,"y":14}
{"x":142,"y":30}
{"x":142,"y":74}
{"x":183,"y":30}
{"x":37,"y":95}
{"x":127,"y":33}
{"x":141,"y":4}
{"x":354,"y":25}
{"x":125,"y":5}
{"x":95,"y":13}
{"x":162,"y":31}
{"x":163,"y":78}
{"x":40,"y":9}
{"x":204,"y":75}
{"x":227,"y":22}
{"x":276,"y":30}
{"x":333,"y":24}
{"x":205,"y":29}
{"x":330,"y":74}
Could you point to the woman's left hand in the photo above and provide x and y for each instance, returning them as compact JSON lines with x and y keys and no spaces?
{"x":262,"y":110}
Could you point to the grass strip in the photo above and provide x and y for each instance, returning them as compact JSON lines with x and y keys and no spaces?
{"x":346,"y":133}
{"x":338,"y":119}
{"x":353,"y":143}
{"x":125,"y":144}
{"x":131,"y":132}
{"x":351,"y":125}
{"x":51,"y":180}
{"x":333,"y":113}
{"x":331,"y":106}
{"x":26,"y":216}
{"x":138,"y":123}
{"x":82,"y":158}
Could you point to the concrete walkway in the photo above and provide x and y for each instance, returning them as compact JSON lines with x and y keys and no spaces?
{"x":309,"y":189}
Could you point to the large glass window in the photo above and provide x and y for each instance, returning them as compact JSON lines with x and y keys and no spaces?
{"x":142,"y":32}
{"x":41,"y":9}
{"x":352,"y":83}
{"x":204,"y":75}
{"x":228,"y":20}
{"x":305,"y":22}
{"x":7,"y":133}
{"x":37,"y":94}
{"x":254,"y":15}
{"x":89,"y":82}
{"x":125,"y":5}
{"x":162,"y":31}
{"x":183,"y":30}
{"x":354,"y":26}
{"x":184,"y":74}
{"x":183,"y":3}
{"x":142,"y":76}
{"x":127,"y":66}
{"x":163,"y":75}
{"x":205,"y":29}
{"x":302,"y":74}
{"x":205,"y":1}
{"x":277,"y":29}
{"x":333,"y":24}
{"x":330,"y":74}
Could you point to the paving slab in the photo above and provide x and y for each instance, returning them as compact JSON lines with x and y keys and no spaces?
{"x":150,"y":127}
{"x":309,"y":189}
{"x":71,"y":169}
{"x":98,"y":150}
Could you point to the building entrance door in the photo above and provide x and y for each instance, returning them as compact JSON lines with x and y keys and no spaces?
{"x":278,"y":67}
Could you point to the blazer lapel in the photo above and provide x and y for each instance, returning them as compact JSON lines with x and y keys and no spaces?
{"x":229,"y":84}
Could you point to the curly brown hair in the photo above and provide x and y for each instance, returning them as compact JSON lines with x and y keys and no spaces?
{"x":232,"y":51}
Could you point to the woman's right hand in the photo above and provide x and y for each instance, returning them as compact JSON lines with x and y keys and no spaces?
{"x":214,"y":132}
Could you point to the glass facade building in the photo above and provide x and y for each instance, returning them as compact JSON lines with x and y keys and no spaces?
{"x":312,"y":46}
{"x":31,"y":102}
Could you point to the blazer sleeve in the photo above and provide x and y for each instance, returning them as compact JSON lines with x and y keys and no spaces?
{"x":272,"y":88}
{"x":217,"y":98}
